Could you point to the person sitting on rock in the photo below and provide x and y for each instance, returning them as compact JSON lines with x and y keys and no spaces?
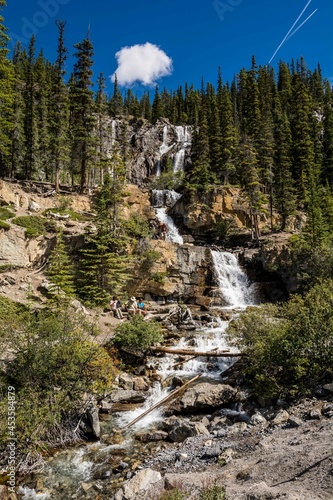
{"x":115,"y":305}
{"x":141,"y":307}
{"x":131,"y":306}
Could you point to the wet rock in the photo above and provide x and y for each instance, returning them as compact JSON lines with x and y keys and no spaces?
{"x":143,"y":485}
{"x":140,"y":384}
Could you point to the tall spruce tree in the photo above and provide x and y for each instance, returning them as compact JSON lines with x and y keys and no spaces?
{"x":59,"y":110}
{"x":60,"y":269}
{"x":83,"y":119}
{"x":17,"y":136}
{"x":30,"y":116}
{"x":6,"y":97}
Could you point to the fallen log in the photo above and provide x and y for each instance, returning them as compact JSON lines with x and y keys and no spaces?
{"x":160,"y":403}
{"x":189,"y":352}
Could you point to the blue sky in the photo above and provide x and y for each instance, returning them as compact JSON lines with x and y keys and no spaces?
{"x":197,"y":35}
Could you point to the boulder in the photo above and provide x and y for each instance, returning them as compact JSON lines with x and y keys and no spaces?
{"x":128,"y":396}
{"x":92,"y":414}
{"x":281,"y":418}
{"x":187,"y":429}
{"x":152,"y":435}
{"x":204,"y":396}
{"x":146,"y":484}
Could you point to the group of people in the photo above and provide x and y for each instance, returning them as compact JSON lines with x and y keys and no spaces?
{"x":132,"y":307}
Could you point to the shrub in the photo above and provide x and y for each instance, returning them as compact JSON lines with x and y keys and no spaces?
{"x":4,"y":225}
{"x":138,"y":227}
{"x":34,"y":225}
{"x":138,"y":333}
{"x":6,"y":213}
{"x":289,"y":348}
{"x":212,"y":493}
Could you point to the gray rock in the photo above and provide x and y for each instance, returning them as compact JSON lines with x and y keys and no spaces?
{"x":33,"y":206}
{"x":327,"y":410}
{"x":203,"y":396}
{"x":328,"y":387}
{"x":92,"y":414}
{"x":315,"y":414}
{"x":153,"y":435}
{"x":128,"y":396}
{"x":126,"y":381}
{"x":187,"y":429}
{"x":281,"y":418}
{"x":141,"y":486}
{"x":258,"y":419}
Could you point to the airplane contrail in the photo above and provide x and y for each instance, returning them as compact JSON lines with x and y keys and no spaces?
{"x":290,"y":33}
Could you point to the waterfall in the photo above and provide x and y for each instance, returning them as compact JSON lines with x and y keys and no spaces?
{"x":233,"y":283}
{"x":113,"y":132}
{"x":164,"y":148}
{"x":183,"y":138}
{"x":164,"y":198}
{"x":172,"y":234}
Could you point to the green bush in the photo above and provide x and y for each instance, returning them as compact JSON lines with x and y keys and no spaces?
{"x":138,"y":333}
{"x":212,"y":493}
{"x":289,"y":348}
{"x":137,"y":226}
{"x":4,"y":225}
{"x":34,"y":225}
{"x":53,"y":366}
{"x":175,"y":494}
{"x":6,"y":213}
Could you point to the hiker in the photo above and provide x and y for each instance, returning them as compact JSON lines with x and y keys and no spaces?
{"x":131,"y":306}
{"x":163,"y":230}
{"x":141,"y":307}
{"x":115,"y":305}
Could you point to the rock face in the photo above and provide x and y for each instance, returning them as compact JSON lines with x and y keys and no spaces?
{"x":16,"y":250}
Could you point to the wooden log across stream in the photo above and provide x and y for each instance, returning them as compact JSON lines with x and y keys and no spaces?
{"x":160,"y":403}
{"x":189,"y":352}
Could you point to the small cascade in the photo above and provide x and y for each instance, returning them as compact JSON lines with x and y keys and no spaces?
{"x":164,"y":198}
{"x":183,"y":138}
{"x":164,"y":148}
{"x":233,"y":283}
{"x":114,"y":124}
{"x":172,"y":234}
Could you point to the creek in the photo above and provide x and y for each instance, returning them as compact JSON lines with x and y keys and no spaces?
{"x":68,"y":470}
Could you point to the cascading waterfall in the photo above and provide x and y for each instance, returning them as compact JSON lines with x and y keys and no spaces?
{"x":164,"y":148}
{"x":162,"y":199}
{"x":233,"y":283}
{"x":183,"y":138}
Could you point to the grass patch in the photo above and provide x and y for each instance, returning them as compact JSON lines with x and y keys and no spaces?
{"x":4,"y":225}
{"x":34,"y":225}
{"x":6,"y":213}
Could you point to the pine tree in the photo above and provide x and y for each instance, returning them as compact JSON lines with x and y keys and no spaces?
{"x":303,"y":144}
{"x":30,"y":117}
{"x":283,"y":186}
{"x":60,"y":269}
{"x":116,"y":101}
{"x":17,"y":136}
{"x":327,"y":142}
{"x":229,"y":135}
{"x":6,"y":97}
{"x":101,"y":103}
{"x":199,"y":177}
{"x":82,"y":109}
{"x":157,"y":107}
{"x":105,"y":264}
{"x":43,"y":92}
{"x":59,"y":110}
{"x":145,"y":106}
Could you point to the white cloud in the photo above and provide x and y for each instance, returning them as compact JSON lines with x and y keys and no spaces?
{"x":144,"y":63}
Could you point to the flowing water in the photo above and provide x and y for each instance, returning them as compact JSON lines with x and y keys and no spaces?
{"x":67,"y":469}
{"x":184,"y":138}
{"x":164,"y":148}
{"x":162,"y":199}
